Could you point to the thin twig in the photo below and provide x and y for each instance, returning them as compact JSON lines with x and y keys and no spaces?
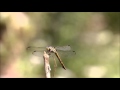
{"x":47,"y":65}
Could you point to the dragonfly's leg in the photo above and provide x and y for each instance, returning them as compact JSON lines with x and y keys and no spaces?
{"x":55,"y":63}
{"x":55,"y":66}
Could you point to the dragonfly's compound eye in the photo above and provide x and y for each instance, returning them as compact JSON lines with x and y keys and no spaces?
{"x":49,"y":49}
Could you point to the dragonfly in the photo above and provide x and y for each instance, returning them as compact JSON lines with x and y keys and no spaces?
{"x":56,"y":50}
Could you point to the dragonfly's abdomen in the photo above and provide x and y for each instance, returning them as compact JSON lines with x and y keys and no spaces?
{"x":60,"y":60}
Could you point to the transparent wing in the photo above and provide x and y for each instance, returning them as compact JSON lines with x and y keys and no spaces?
{"x":63,"y":48}
{"x":66,"y":53}
{"x":40,"y":54}
{"x":37,"y":53}
{"x":40,"y":49}
{"x":62,"y":51}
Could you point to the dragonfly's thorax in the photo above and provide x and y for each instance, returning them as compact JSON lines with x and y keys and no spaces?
{"x":51,"y":49}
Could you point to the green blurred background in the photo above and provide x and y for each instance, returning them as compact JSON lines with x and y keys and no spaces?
{"x":95,"y":36}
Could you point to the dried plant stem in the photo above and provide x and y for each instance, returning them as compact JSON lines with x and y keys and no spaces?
{"x":47,"y":65}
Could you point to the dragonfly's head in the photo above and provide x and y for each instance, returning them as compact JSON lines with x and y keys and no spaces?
{"x":51,"y":49}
